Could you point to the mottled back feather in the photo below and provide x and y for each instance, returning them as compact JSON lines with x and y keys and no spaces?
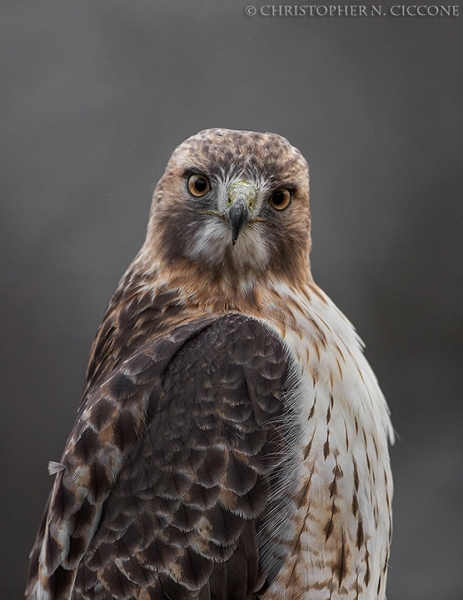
{"x":194,"y":421}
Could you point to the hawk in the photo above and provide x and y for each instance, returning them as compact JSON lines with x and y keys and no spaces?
{"x":232,"y":440}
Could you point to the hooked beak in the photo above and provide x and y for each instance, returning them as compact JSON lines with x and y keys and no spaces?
{"x":241,"y":199}
{"x":238,"y":215}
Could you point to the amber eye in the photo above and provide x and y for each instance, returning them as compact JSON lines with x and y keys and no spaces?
{"x":198,"y":185}
{"x":280,"y":199}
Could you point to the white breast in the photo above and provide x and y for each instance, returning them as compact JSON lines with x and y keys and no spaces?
{"x":334,"y":541}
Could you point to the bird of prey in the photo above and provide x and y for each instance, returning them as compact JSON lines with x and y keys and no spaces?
{"x":232,"y":440}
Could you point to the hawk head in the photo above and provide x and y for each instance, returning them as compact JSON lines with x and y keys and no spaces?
{"x":232,"y":205}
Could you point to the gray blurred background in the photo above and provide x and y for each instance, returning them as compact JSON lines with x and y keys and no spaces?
{"x":96,"y":94}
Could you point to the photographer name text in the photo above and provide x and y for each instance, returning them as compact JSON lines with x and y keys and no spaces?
{"x":355,"y":10}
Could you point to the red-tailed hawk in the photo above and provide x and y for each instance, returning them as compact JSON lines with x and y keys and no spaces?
{"x":232,"y":439}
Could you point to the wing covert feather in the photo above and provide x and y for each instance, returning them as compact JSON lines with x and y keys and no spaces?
{"x":168,"y":471}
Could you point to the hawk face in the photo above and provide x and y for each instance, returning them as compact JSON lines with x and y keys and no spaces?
{"x":233,"y":205}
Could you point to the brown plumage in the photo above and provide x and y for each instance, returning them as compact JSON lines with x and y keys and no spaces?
{"x":231,"y":441}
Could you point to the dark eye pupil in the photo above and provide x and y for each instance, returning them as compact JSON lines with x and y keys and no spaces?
{"x":200,"y":184}
{"x":278,"y":198}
